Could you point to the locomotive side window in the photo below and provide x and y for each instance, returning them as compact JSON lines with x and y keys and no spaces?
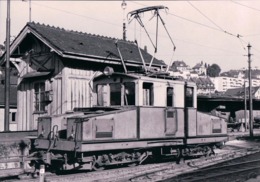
{"x":147,"y":94}
{"x":115,"y":94}
{"x":129,"y":96}
{"x":169,"y":97}
{"x":102,"y":95}
{"x":189,"y":94}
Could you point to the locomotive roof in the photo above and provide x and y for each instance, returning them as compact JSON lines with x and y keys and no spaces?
{"x":161,"y":76}
{"x":122,"y":75}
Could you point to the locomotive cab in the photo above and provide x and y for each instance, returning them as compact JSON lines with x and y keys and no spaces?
{"x":120,"y":89}
{"x":158,"y":100}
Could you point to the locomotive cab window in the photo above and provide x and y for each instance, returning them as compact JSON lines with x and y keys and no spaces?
{"x":189,"y":97}
{"x":147,"y":94}
{"x":169,"y":96}
{"x":115,"y":93}
{"x":129,"y":95}
{"x":102,"y":95}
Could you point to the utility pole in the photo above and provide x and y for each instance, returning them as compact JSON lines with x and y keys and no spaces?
{"x":245,"y":100}
{"x":30,"y":9}
{"x":123,"y":5}
{"x":250,"y":93}
{"x":7,"y":69}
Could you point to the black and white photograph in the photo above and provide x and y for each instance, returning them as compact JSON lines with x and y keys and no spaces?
{"x":129,"y":91}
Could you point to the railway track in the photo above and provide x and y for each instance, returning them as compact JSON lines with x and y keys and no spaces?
{"x":148,"y":172}
{"x":235,"y":171}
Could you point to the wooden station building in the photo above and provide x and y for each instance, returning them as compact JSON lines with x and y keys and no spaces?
{"x":56,"y":68}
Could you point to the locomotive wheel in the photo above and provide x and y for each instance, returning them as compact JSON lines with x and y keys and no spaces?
{"x":207,"y":151}
{"x":96,"y":166}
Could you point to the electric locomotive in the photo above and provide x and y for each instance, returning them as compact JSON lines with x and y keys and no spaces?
{"x":135,"y":116}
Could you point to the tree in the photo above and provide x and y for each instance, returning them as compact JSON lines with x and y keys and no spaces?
{"x":213,"y":70}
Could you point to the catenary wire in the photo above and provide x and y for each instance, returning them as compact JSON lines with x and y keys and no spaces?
{"x":192,"y":21}
{"x":235,"y":2}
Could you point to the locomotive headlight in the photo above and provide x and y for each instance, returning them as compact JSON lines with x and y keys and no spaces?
{"x":108,"y":71}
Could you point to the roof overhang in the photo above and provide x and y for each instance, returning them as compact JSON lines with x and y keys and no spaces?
{"x":35,"y":74}
{"x":105,"y":60}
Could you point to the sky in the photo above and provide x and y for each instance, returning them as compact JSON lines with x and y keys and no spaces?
{"x":209,"y":31}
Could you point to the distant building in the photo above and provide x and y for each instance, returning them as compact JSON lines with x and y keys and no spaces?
{"x":13,"y":98}
{"x":179,"y":66}
{"x":200,"y":68}
{"x":204,"y":85}
{"x":223,"y":83}
{"x":12,"y":105}
{"x":240,"y":92}
{"x":181,"y":69}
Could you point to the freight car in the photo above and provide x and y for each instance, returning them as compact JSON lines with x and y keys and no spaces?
{"x":137,"y":116}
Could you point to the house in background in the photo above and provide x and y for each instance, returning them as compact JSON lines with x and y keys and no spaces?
{"x":204,"y":85}
{"x":240,"y":92}
{"x":179,"y":66}
{"x":13,"y":101}
{"x":56,"y":68}
{"x":200,"y":68}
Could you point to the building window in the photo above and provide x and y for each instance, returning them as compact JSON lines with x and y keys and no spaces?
{"x":39,"y":92}
{"x":12,"y":117}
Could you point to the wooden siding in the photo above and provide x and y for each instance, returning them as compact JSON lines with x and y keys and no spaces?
{"x":69,"y":87}
{"x":77,"y":88}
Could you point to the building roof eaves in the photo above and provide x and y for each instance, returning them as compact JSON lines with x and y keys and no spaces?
{"x":100,"y":58}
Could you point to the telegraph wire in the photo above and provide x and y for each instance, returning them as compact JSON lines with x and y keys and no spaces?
{"x":235,"y":2}
{"x":252,"y":35}
{"x":237,"y":36}
{"x":95,"y":19}
{"x":69,"y":12}
{"x":192,"y":21}
{"x":204,"y":15}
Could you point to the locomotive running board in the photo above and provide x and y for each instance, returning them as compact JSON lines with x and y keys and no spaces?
{"x":89,"y":147}
{"x":206,"y":140}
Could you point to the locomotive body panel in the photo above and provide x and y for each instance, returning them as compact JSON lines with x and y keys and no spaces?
{"x":120,"y":125}
{"x":192,"y":121}
{"x":160,"y":122}
{"x":210,"y":125}
{"x":46,"y":124}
